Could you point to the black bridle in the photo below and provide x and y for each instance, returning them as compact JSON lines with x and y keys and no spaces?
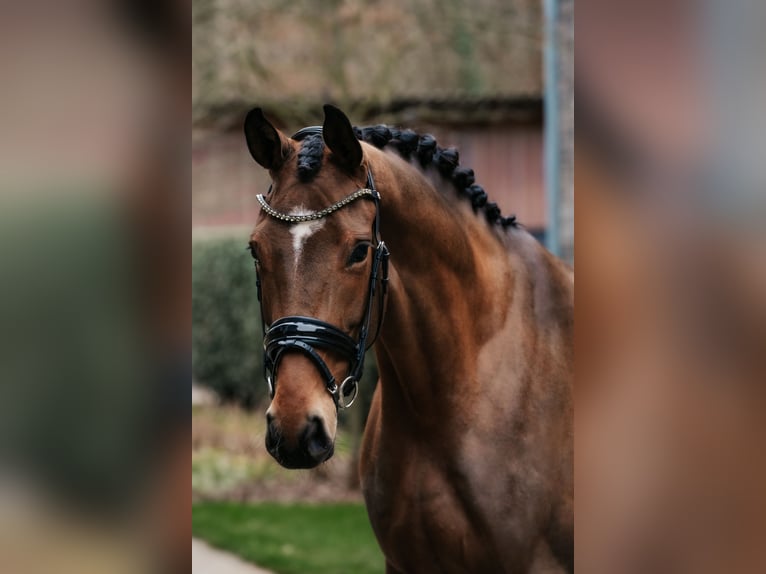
{"x":307,"y":334}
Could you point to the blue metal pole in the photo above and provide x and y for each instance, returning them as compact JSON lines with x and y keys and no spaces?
{"x":551,"y":128}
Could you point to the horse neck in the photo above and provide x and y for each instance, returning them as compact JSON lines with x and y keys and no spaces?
{"x":451,"y":275}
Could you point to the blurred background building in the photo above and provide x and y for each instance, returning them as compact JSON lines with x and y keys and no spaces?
{"x":471,"y":73}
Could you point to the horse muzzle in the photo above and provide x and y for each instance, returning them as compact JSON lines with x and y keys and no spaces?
{"x":314,"y":446}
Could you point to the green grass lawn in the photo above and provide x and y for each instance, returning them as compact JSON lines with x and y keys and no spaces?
{"x":292,"y":538}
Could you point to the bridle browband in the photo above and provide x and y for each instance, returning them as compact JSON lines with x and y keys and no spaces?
{"x":317,"y":215}
{"x":307,"y":334}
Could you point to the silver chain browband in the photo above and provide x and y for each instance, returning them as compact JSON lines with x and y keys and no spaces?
{"x":313,"y":216}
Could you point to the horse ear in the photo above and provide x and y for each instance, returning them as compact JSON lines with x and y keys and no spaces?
{"x":340,"y":138}
{"x":267,"y":146}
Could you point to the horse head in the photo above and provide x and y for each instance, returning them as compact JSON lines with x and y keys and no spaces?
{"x":318,"y":257}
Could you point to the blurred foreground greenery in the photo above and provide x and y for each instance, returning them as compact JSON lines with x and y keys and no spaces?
{"x":292,"y":538}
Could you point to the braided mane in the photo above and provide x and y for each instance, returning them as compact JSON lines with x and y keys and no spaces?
{"x":408,"y":144}
{"x":446,"y":160}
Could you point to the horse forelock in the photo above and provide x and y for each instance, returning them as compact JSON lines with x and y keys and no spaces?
{"x":310,"y":157}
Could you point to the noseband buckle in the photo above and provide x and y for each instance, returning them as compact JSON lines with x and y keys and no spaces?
{"x":349,"y":387}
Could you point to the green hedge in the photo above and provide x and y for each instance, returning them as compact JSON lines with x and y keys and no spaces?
{"x":226,"y":330}
{"x":226,"y":325}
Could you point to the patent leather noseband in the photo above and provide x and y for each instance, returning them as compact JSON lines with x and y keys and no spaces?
{"x":307,"y":334}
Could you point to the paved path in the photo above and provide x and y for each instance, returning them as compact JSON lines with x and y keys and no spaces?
{"x":208,"y":560}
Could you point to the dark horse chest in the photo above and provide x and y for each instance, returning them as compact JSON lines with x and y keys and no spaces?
{"x":422,"y":525}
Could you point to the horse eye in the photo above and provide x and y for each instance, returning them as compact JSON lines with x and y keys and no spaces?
{"x":359,"y":253}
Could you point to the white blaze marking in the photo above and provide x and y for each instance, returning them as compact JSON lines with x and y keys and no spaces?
{"x":302,"y":231}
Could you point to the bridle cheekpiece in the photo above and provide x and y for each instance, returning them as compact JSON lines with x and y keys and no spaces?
{"x":307,"y":334}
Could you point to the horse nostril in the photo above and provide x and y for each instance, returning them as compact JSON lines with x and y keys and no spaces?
{"x":317,"y":443}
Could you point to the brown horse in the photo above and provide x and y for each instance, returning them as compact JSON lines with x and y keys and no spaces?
{"x":466,"y":463}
